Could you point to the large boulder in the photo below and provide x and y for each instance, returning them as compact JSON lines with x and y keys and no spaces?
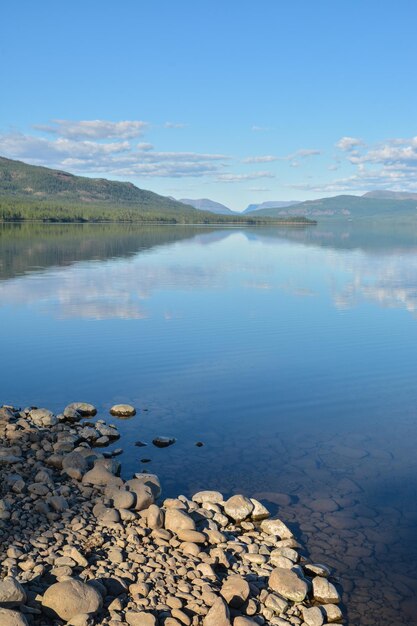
{"x":140,"y":618}
{"x":70,"y":598}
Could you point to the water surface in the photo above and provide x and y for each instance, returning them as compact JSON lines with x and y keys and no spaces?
{"x":290,"y":352}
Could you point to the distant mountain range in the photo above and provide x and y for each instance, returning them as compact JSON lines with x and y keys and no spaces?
{"x":204,"y":204}
{"x":279,"y":204}
{"x":371,"y":206}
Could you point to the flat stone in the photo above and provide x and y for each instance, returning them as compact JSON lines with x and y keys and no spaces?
{"x":288,"y":584}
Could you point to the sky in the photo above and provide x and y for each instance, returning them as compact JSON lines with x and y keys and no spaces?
{"x":240,"y":102}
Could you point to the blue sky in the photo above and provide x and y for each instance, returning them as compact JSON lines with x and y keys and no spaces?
{"x":240,"y":102}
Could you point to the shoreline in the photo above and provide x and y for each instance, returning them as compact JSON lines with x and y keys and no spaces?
{"x":81,"y":546}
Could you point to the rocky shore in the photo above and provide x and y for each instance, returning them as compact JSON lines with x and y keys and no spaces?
{"x":81,"y":546}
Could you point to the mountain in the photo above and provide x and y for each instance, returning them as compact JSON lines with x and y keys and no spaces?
{"x":347,"y":207}
{"x":390,"y":195}
{"x":269,"y":204}
{"x":204,"y":204}
{"x":38,"y":193}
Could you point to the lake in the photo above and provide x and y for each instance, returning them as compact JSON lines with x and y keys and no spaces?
{"x":290,"y":353}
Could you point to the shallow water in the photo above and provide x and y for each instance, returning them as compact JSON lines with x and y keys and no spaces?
{"x":291,"y":353}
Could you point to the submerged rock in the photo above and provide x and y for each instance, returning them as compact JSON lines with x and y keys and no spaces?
{"x":163,"y":442}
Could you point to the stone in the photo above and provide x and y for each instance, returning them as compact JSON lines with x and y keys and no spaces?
{"x":259,"y":510}
{"x":288,"y":584}
{"x":240,"y":620}
{"x":276,"y":527}
{"x":11,"y":593}
{"x":235,"y":590}
{"x":75,"y":465}
{"x":83,"y":619}
{"x":208,"y":496}
{"x":163,"y":442}
{"x":324,"y":591}
{"x":85,"y":409}
{"x":312,"y":616}
{"x":276,"y":603}
{"x":43,"y":418}
{"x":143,"y":494}
{"x":150,"y":480}
{"x":123,"y":410}
{"x":176,"y":520}
{"x":140,"y":618}
{"x":12,"y":618}
{"x":238,"y":508}
{"x":101,"y":476}
{"x":155,"y":517}
{"x":71,"y":597}
{"x":218,"y":614}
{"x":123,"y":499}
{"x":332,"y":612}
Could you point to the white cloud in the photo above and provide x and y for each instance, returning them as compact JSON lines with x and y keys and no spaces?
{"x":95,"y":129}
{"x":349,"y":143}
{"x":237,"y":178}
{"x":174,"y":125}
{"x":145,"y":146}
{"x":260,"y":159}
{"x":110,"y":158}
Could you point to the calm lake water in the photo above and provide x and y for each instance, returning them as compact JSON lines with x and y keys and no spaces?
{"x":291,"y":353}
